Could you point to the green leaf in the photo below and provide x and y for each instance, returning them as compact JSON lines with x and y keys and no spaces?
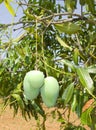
{"x":68,"y":28}
{"x":18,"y":99}
{"x":85,"y":79}
{"x":80,"y":101}
{"x":70,"y":5}
{"x":82,"y":2}
{"x":68,"y":63}
{"x":92,"y":69}
{"x":37,"y":108}
{"x":75,"y":56}
{"x":67,"y":94}
{"x":1,"y":1}
{"x":74,"y":103}
{"x":93,"y":38}
{"x":17,"y":89}
{"x":86,"y":117}
{"x":9,"y":7}
{"x":1,"y":70}
{"x":63,"y":43}
{"x":29,"y":29}
{"x":20,"y":51}
{"x":29,"y":15}
{"x":91,"y":6}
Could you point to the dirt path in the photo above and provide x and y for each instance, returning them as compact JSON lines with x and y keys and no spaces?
{"x":7,"y":122}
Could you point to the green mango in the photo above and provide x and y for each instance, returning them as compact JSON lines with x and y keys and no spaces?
{"x":50,"y":91}
{"x":35,"y":78}
{"x":30,"y":93}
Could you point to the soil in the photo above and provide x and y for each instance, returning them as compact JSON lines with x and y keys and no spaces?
{"x":8,"y":122}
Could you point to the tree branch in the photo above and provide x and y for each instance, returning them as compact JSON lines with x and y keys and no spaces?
{"x":54,"y":21}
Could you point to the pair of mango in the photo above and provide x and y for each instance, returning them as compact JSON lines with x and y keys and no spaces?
{"x":35,"y":83}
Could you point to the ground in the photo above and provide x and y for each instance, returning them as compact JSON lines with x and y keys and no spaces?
{"x":7,"y":122}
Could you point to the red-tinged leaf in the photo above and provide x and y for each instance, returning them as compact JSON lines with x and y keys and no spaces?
{"x":87,"y":105}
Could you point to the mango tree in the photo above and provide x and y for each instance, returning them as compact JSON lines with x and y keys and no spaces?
{"x":57,"y":38}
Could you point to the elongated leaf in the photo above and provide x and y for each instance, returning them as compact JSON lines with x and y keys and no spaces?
{"x":63,"y":43}
{"x":80,"y":102}
{"x":68,"y":92}
{"x":92,"y":69}
{"x":75,"y":56}
{"x":29,"y":15}
{"x":9,"y":7}
{"x":74,"y":103}
{"x":68,"y":63}
{"x":37,"y":108}
{"x":85,"y":79}
{"x":68,"y":27}
{"x":93,"y":38}
{"x":86,"y":117}
{"x":18,"y":99}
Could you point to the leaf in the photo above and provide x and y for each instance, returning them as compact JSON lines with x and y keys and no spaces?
{"x":9,"y":7}
{"x":80,"y":102}
{"x":86,"y":117}
{"x":29,"y":15}
{"x":17,"y":89}
{"x":75,"y":56}
{"x":82,"y":2}
{"x":85,"y":79}
{"x":92,"y":37}
{"x":68,"y":63}
{"x":20,"y":51}
{"x":68,"y":92}
{"x":74,"y":103}
{"x":88,"y":104}
{"x":18,"y":99}
{"x":1,"y":70}
{"x":70,"y":5}
{"x":18,"y":38}
{"x":63,"y":43}
{"x":37,"y":108}
{"x":92,"y":69}
{"x":68,"y":28}
{"x":1,"y":1}
{"x":91,"y":6}
{"x":29,"y":29}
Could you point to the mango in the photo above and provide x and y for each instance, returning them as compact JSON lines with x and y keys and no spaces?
{"x":29,"y":92}
{"x":35,"y":78}
{"x":50,"y":91}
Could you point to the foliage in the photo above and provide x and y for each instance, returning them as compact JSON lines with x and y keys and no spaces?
{"x":59,"y":42}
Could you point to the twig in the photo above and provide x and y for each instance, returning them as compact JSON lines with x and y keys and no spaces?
{"x":53,"y":20}
{"x":34,"y":5}
{"x":78,"y":43}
